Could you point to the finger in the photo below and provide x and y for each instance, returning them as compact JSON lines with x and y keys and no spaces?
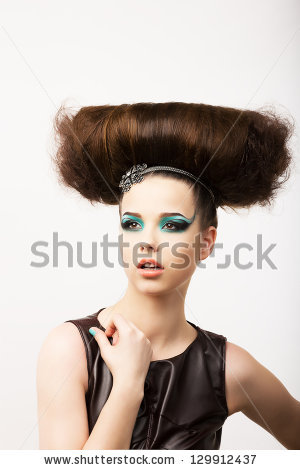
{"x":117,"y":322}
{"x":100,"y":337}
{"x":115,"y":337}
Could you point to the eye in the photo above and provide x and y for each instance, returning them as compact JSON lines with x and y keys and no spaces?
{"x":170,"y":223}
{"x":177,"y":226}
{"x":128,"y":225}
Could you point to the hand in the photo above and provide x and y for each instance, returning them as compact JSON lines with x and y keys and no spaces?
{"x":128,"y":357}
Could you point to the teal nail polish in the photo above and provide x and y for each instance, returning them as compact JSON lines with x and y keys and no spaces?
{"x":93,"y":332}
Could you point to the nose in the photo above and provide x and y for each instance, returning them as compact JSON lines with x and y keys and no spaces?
{"x":149,"y":240}
{"x":150,"y":246}
{"x":149,"y":250}
{"x":145,"y":247}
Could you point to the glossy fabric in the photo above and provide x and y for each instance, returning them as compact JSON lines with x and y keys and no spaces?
{"x":184,"y":404}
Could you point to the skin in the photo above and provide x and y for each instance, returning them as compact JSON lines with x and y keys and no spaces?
{"x":250,"y":387}
{"x":62,"y":383}
{"x":170,"y":331}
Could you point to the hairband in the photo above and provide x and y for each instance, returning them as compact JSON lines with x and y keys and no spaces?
{"x":136,"y":172}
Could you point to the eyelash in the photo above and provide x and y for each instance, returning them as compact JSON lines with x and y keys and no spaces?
{"x":125,"y":225}
{"x":179,"y":226}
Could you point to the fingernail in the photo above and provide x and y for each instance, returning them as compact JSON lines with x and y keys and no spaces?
{"x":93,"y":332}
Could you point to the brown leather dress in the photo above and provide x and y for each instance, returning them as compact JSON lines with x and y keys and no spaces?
{"x":184,"y":404}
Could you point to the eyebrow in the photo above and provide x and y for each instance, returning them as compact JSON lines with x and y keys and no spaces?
{"x":162,"y":214}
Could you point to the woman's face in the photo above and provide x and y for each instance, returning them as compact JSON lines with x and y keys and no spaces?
{"x":171,"y":240}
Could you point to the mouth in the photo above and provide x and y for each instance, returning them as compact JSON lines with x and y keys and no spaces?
{"x":149,"y":264}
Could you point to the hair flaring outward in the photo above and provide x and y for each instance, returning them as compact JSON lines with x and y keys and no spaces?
{"x":241,"y":155}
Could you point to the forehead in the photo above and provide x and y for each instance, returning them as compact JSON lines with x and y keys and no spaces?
{"x":157,"y":194}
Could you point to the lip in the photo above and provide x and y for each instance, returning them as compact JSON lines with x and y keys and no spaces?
{"x":150,"y":272}
{"x":148,"y":260}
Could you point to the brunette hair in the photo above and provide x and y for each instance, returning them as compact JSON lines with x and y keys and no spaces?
{"x":241,"y":155}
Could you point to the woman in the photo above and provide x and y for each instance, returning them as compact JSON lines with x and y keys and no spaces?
{"x":137,"y":374}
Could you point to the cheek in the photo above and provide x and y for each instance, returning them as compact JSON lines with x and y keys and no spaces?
{"x":181,"y":256}
{"x":176,"y":253}
{"x":127,"y":255}
{"x":183,"y":260}
{"x":129,"y":250}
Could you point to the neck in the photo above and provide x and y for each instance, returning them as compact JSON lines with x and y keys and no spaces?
{"x":160,"y":317}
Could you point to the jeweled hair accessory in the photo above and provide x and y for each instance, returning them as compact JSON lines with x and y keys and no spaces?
{"x":135,"y":175}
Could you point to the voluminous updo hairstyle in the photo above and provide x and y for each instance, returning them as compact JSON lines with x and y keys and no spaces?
{"x":241,"y":155}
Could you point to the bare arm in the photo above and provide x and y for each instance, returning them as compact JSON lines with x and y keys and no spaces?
{"x":63,"y":422}
{"x":259,"y":394}
{"x":114,"y":427}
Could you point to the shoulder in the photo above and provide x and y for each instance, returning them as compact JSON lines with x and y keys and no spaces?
{"x":247,"y":380}
{"x":238,"y":357}
{"x":63,"y":348}
{"x":240,"y":370}
{"x":63,"y":338}
{"x":61,"y":405}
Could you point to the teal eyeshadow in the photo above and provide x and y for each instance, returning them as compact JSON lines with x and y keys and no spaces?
{"x":132,"y":218}
{"x":176,"y":218}
{"x":164,"y":220}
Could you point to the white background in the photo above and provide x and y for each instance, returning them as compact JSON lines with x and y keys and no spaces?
{"x":229,"y":53}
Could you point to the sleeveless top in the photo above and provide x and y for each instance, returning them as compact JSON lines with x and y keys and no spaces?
{"x":184,"y":404}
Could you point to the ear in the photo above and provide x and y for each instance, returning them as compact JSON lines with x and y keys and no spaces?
{"x":208,"y":238}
